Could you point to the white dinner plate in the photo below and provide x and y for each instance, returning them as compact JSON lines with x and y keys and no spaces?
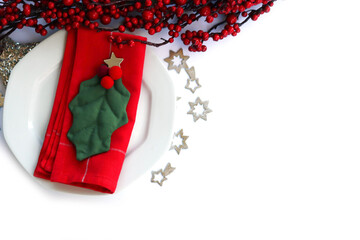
{"x":30,"y":96}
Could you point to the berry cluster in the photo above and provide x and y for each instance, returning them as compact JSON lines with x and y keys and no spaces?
{"x":151,"y":15}
{"x":109,"y":75}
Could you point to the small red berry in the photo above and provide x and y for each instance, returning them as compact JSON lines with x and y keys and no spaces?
{"x":179,"y":11}
{"x":3,"y":21}
{"x":205,"y":36}
{"x":231,"y":19}
{"x":93,"y":15}
{"x":186,"y":41}
{"x":68,"y":27}
{"x":180,"y":2}
{"x":43,"y":32}
{"x":151,"y":31}
{"x":122,"y":28}
{"x":26,"y":9}
{"x":205,"y":11}
{"x":115,"y":72}
{"x":105,"y":19}
{"x":209,"y":19}
{"x":102,"y":70}
{"x":75,"y":25}
{"x":131,"y":43}
{"x":134,"y":21}
{"x":148,"y":3}
{"x":216,"y":37}
{"x":171,"y":26}
{"x":68,"y":2}
{"x":147,"y":15}
{"x":118,"y":39}
{"x":107,"y":82}
{"x":51,"y":5}
{"x":138,"y":5}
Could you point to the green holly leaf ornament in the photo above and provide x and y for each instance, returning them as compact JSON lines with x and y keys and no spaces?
{"x":97,"y":113}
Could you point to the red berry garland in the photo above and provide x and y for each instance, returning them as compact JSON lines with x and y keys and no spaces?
{"x":151,"y":15}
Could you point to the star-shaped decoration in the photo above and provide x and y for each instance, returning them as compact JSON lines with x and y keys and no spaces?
{"x":160,"y":176}
{"x":205,"y":111}
{"x":1,"y":100}
{"x":191,"y":72}
{"x":10,"y":54}
{"x":113,"y":61}
{"x":183,"y":144}
{"x":170,"y":60}
{"x":192,"y":84}
{"x":157,"y":177}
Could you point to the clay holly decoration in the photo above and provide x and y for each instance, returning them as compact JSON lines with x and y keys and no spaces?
{"x":98,"y":110}
{"x":115,"y":73}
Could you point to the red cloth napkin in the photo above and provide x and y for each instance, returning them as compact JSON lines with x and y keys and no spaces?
{"x":85,"y":51}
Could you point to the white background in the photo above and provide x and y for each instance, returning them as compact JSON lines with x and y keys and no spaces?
{"x":278,"y":158}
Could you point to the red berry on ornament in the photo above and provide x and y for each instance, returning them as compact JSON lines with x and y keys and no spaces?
{"x":115,"y":72}
{"x":102,"y":71}
{"x":107,"y":82}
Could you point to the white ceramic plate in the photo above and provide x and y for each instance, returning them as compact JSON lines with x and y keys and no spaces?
{"x":29,"y":99}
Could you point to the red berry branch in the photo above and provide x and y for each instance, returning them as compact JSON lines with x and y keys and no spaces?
{"x":151,"y":15}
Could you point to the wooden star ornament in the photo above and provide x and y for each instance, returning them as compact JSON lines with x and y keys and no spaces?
{"x":113,"y":61}
{"x":205,"y":111}
{"x":154,"y":177}
{"x":183,"y":144}
{"x":162,"y":173}
{"x":192,"y":83}
{"x":191,"y":72}
{"x":170,"y":60}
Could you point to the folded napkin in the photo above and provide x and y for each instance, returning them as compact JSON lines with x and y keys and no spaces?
{"x":85,"y":51}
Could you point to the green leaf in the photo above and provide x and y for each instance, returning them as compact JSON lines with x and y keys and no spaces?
{"x":97,"y":113}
